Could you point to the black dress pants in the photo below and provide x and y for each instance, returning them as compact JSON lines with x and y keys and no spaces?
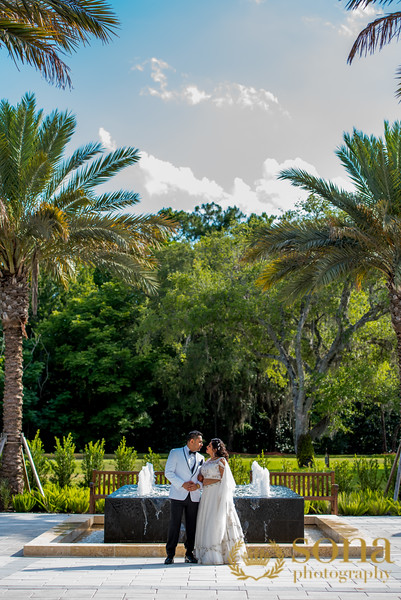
{"x":190,"y":509}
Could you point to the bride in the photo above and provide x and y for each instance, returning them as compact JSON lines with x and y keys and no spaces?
{"x":217,"y":527}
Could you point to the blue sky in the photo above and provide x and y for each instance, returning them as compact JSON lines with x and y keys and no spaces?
{"x":219,"y":95}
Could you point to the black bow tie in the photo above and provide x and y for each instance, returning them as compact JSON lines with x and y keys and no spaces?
{"x":191,"y":452}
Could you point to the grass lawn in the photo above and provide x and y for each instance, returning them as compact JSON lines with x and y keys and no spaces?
{"x":275,"y":463}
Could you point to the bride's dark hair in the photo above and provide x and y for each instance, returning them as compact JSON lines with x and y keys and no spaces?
{"x":220,"y":447}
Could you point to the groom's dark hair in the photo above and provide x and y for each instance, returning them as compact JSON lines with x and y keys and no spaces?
{"x":193,"y":434}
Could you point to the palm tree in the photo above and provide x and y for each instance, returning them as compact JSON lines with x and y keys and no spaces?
{"x":376,"y":34}
{"x":39,"y":31}
{"x":53,"y":218}
{"x":359,"y":239}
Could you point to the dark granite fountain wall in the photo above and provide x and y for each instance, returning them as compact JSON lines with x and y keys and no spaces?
{"x":131,"y":519}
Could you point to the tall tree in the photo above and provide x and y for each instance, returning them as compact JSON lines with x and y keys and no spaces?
{"x":53,"y":218}
{"x":38,"y":32}
{"x":380,"y":32}
{"x":361,"y":240}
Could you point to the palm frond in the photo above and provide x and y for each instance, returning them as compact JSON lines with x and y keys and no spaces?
{"x":102,"y":169}
{"x":376,"y":34}
{"x":62,"y":170}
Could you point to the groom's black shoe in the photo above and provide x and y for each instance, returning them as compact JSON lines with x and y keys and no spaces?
{"x":190,"y":558}
{"x":169,"y":560}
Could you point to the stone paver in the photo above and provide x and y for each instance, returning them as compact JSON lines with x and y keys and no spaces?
{"x":54,"y":578}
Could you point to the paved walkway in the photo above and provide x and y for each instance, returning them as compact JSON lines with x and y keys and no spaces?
{"x":150,"y":579}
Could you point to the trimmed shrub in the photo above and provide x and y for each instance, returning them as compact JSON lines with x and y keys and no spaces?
{"x":344,"y":475}
{"x":368,"y":473}
{"x":239,"y":469}
{"x":305,"y":451}
{"x":152,"y":457}
{"x":93,"y":460}
{"x":42,"y":464}
{"x":64,"y":461}
{"x":125,"y":457}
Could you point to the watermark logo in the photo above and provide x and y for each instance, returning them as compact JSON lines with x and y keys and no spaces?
{"x":254,"y":563}
{"x":255,"y":558}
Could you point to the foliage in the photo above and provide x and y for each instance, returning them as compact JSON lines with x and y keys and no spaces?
{"x":42,"y":464}
{"x":76,"y":500}
{"x":204,"y":335}
{"x":344,"y":475}
{"x":317,"y":507}
{"x":125,"y":456}
{"x":24,"y":502}
{"x":152,"y":457}
{"x":54,"y":220}
{"x":262,"y":460}
{"x":5,"y":494}
{"x":99,"y":509}
{"x":239,"y":469}
{"x":64,"y":461}
{"x":377,"y":34}
{"x":92,"y":459}
{"x":40,"y":33}
{"x":368,"y":473}
{"x":371,"y":502}
{"x":286,"y":466}
{"x":388,"y":461}
{"x":204,"y":220}
{"x":305,"y":451}
{"x":352,"y":504}
{"x":92,"y":383}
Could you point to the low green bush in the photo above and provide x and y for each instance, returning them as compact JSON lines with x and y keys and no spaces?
{"x":368,"y":473}
{"x":23,"y":503}
{"x":368,"y":502}
{"x":318,"y":507}
{"x":352,"y":504}
{"x":239,"y":469}
{"x":344,"y":475}
{"x":54,"y":500}
{"x":99,"y":506}
{"x":76,"y":500}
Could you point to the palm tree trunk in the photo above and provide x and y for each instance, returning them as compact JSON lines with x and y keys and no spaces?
{"x":14,"y":302}
{"x":395,"y":312}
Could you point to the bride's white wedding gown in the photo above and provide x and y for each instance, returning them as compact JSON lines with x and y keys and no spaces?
{"x":217,"y":527}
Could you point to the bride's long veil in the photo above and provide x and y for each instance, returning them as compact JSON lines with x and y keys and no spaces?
{"x":227,"y":487}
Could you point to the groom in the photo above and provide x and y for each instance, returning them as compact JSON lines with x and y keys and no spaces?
{"x":181,"y":470}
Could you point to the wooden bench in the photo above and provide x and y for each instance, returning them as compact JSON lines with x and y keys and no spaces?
{"x":312,"y":486}
{"x":105,"y":483}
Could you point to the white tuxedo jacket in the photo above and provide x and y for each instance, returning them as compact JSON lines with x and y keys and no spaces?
{"x":177,"y":471}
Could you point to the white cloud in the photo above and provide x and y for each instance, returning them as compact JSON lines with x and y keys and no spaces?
{"x":194,"y":95}
{"x":230,"y":94}
{"x":106,"y":140}
{"x":182,"y":189}
{"x":357,"y":19}
{"x":222,"y":95}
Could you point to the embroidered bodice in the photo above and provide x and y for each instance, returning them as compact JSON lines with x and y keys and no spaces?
{"x":210,"y":469}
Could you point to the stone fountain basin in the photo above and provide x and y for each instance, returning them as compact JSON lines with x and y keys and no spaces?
{"x":67,"y":539}
{"x":132,"y":519}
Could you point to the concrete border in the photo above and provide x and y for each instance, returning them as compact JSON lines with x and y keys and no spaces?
{"x":59,"y":541}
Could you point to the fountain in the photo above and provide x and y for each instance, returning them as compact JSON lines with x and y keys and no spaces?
{"x":146,"y":481}
{"x":141,"y":513}
{"x":260,"y":480}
